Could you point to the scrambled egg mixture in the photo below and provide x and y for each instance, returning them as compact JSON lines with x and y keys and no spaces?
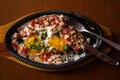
{"x":47,"y":39}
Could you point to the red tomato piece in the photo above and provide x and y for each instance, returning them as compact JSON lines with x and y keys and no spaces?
{"x":52,"y":51}
{"x":64,"y":31}
{"x":23,"y":50}
{"x":76,"y":48}
{"x":32,"y":23}
{"x":71,"y":39}
{"x":15,"y":47}
{"x":40,"y":21}
{"x":46,"y":56}
{"x":24,"y":34}
{"x":53,"y":18}
{"x":54,"y":23}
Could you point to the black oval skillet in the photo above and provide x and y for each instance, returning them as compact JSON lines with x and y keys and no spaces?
{"x":88,"y":23}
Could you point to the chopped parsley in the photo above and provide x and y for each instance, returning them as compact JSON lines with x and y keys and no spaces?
{"x":54,"y":50}
{"x":44,"y":35}
{"x":81,"y":43}
{"x":46,"y":48}
{"x":65,"y":47}
{"x":57,"y":32}
{"x":35,"y":41}
{"x":35,"y":45}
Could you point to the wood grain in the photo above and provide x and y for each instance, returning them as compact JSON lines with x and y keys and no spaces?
{"x":105,"y":12}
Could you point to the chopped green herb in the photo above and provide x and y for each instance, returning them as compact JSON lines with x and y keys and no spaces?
{"x":27,"y":26}
{"x":80,"y":42}
{"x":45,"y":49}
{"x":48,"y":46}
{"x":41,"y":45}
{"x":52,"y":37}
{"x":35,"y":41}
{"x":43,"y":35}
{"x":54,"y":49}
{"x":33,"y":46}
{"x":65,"y":47}
{"x":57,"y":32}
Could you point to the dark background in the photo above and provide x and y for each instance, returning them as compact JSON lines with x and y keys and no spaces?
{"x":105,"y":12}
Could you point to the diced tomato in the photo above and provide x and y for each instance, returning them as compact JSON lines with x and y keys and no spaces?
{"x":23,"y":50}
{"x":76,"y":48}
{"x":53,"y":18}
{"x":24,"y":34}
{"x":15,"y":47}
{"x":52,"y":51}
{"x":46,"y":56}
{"x":54,"y":23}
{"x":40,"y":21}
{"x":64,"y":31}
{"x":32,"y":23}
{"x":70,"y":39}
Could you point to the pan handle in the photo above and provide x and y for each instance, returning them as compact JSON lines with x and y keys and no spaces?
{"x":3,"y":30}
{"x":3,"y":51}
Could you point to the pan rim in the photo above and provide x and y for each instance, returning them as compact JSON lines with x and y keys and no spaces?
{"x":35,"y":15}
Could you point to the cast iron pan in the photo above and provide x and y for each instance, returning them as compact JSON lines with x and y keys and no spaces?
{"x":88,"y":23}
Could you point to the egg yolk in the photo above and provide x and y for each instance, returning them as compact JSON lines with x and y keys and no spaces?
{"x":57,"y":43}
{"x":31,"y":40}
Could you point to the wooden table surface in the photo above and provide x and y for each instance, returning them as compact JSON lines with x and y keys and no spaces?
{"x":105,"y":12}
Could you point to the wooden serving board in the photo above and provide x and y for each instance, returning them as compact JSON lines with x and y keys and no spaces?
{"x":3,"y":52}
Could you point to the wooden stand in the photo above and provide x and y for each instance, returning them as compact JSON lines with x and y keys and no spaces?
{"x":3,"y":52}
